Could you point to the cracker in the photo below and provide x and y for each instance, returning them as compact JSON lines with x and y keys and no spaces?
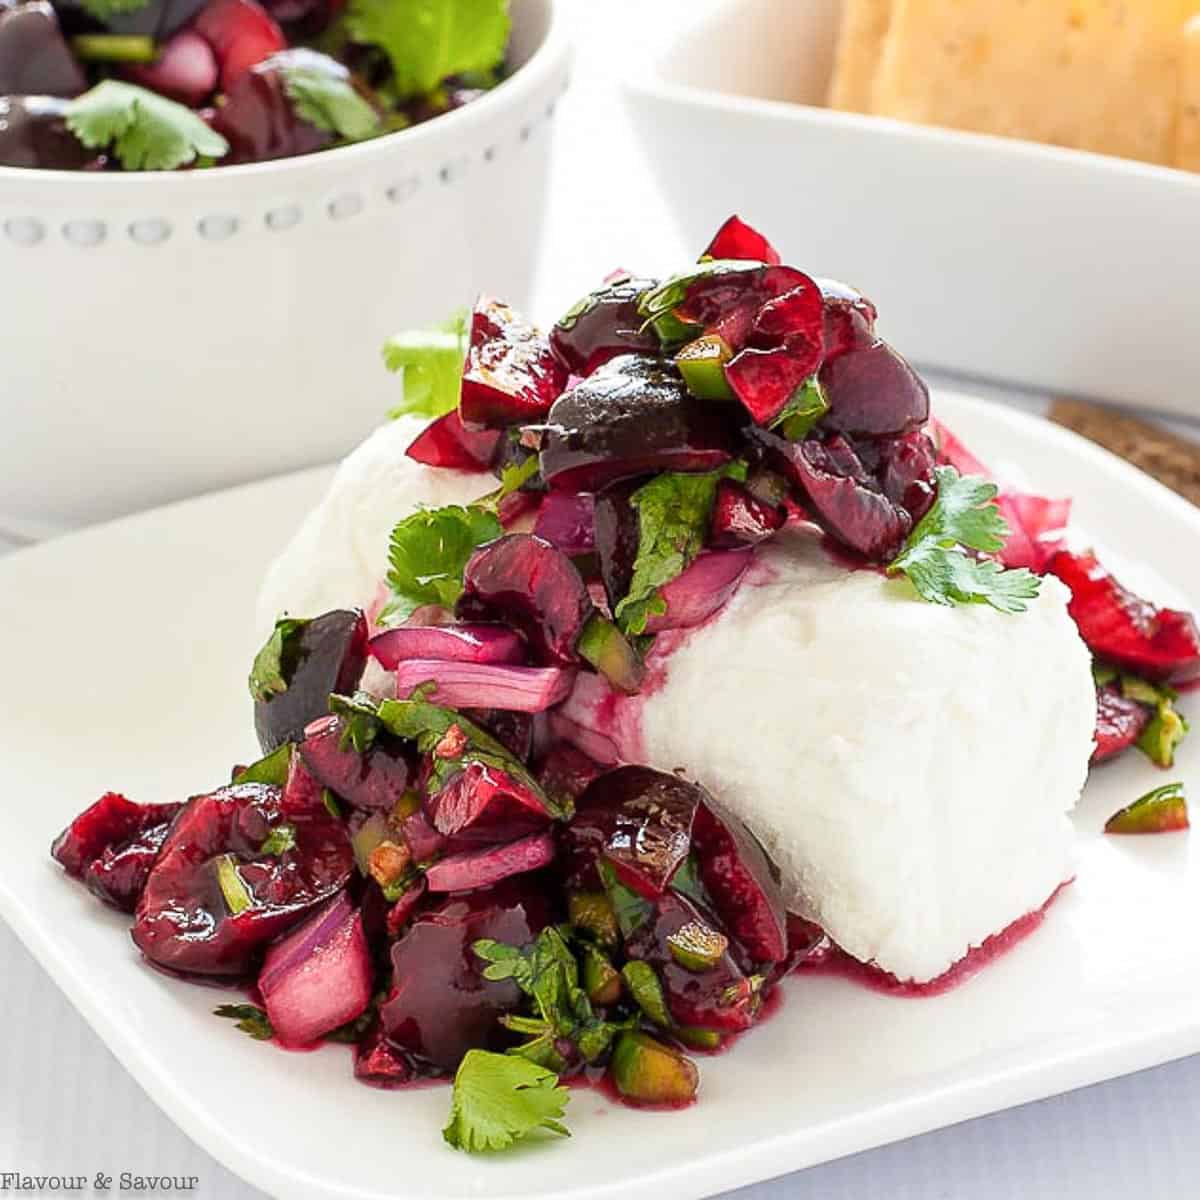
{"x":1096,"y":75}
{"x":1187,"y":132}
{"x":1171,"y":459}
{"x":860,"y":45}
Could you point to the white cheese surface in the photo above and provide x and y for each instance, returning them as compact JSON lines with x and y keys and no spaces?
{"x":339,"y":555}
{"x":910,"y":767}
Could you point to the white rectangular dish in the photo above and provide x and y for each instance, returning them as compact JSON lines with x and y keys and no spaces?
{"x":142,"y":688}
{"x":1002,"y":259}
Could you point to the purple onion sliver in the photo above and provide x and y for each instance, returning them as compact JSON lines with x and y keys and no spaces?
{"x":701,"y":590}
{"x":480,"y":868}
{"x":452,"y":643}
{"x":283,"y":957}
{"x":486,"y":685}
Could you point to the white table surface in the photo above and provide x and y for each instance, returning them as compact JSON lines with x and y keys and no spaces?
{"x":68,"y":1107}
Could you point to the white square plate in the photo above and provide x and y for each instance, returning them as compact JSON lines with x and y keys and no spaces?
{"x":125,"y":649}
{"x":1050,"y":268}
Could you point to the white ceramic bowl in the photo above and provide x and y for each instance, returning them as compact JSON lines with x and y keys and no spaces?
{"x":1003,"y":259}
{"x":168,"y":333}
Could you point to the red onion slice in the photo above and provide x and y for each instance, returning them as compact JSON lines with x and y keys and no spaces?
{"x":480,"y":868}
{"x":475,"y":685}
{"x":701,"y":590}
{"x":319,"y":976}
{"x":452,"y":643}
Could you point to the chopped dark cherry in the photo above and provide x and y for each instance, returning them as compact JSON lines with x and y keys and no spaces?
{"x":565,"y":773}
{"x":603,"y":325}
{"x":717,"y":996}
{"x":440,"y":1006}
{"x":511,"y":377}
{"x":617,"y":535}
{"x":447,"y":443}
{"x":740,"y":519}
{"x":241,"y":34}
{"x":905,"y":472}
{"x":1120,"y":627}
{"x":513,"y":730}
{"x":326,"y":656}
{"x":35,"y":59}
{"x":34,"y":133}
{"x":742,"y":881}
{"x":736,"y":239}
{"x":381,"y":1063}
{"x":849,"y":319}
{"x":1119,"y":722}
{"x":874,"y":393}
{"x":846,"y":505}
{"x":112,"y":846}
{"x":214,"y":899}
{"x":533,"y":586}
{"x":374,"y":780}
{"x":644,"y":818}
{"x":727,"y":302}
{"x":258,"y":118}
{"x":484,"y":804}
{"x":567,"y":520}
{"x":631,"y":417}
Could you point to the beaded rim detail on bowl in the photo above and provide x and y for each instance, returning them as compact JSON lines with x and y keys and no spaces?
{"x":87,"y":233}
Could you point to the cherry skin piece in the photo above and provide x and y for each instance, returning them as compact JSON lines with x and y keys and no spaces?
{"x":742,"y":881}
{"x":849,"y":319}
{"x":447,"y":443}
{"x":511,"y":376}
{"x":185,"y":920}
{"x":112,"y":846}
{"x":1119,"y":723}
{"x":330,"y":653}
{"x":633,"y":416}
{"x":484,"y":804}
{"x":905,"y":472}
{"x":874,"y":393}
{"x":610,"y":325}
{"x":642,"y":819}
{"x":839,"y":495}
{"x":736,"y":239}
{"x":1120,"y":627}
{"x":374,"y":780}
{"x":531,"y":585}
{"x":440,"y":1006}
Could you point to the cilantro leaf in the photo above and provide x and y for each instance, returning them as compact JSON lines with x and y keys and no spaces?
{"x":427,"y":40}
{"x":329,"y":101}
{"x":432,"y":362}
{"x":963,"y":517}
{"x":360,"y":721}
{"x":271,"y":769}
{"x":277,"y":659}
{"x":147,"y":132}
{"x":673,"y":514}
{"x":103,"y":10}
{"x":417,"y":720}
{"x":547,"y":971}
{"x":250,"y":1019}
{"x":499,"y":1099}
{"x":428,"y":553}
